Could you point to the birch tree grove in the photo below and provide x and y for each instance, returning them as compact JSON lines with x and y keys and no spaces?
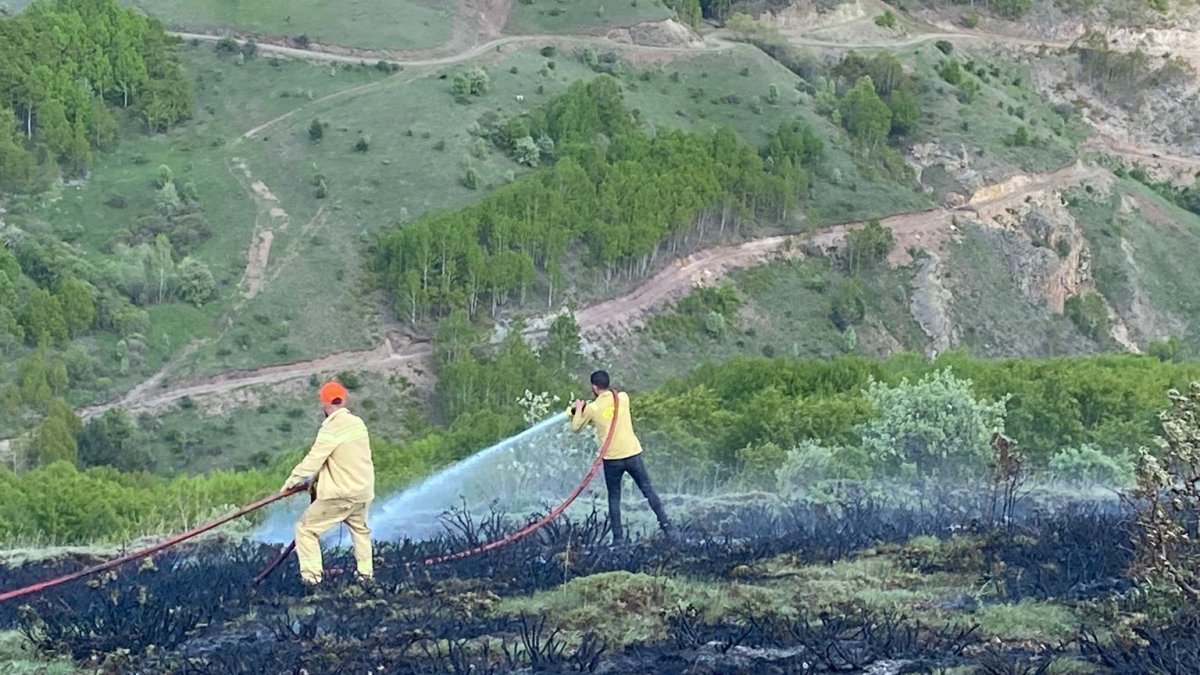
{"x":61,"y":63}
{"x":611,"y":197}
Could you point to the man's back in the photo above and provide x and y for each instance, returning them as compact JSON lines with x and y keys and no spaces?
{"x":348,"y":473}
{"x":600,"y":413}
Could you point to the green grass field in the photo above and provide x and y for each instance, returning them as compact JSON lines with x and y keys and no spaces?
{"x":536,"y":17}
{"x":1141,"y":257}
{"x":785,"y":311}
{"x":985,"y":124}
{"x":367,"y":24}
{"x":729,"y":88}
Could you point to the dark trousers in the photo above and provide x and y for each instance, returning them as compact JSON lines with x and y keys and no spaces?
{"x":614,"y":470}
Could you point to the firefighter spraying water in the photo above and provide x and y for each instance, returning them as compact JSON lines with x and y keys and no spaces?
{"x":339,"y":476}
{"x":624,"y":453}
{"x":338,"y":469}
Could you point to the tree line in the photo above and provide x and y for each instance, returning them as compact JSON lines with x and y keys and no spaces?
{"x":801,"y":420}
{"x":1110,"y":403}
{"x":62,"y":65}
{"x":613,"y":197}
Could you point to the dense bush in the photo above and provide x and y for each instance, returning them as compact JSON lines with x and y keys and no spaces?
{"x":933,"y":427}
{"x":1086,"y":465}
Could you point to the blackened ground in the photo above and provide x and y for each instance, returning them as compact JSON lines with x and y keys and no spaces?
{"x":194,"y":610}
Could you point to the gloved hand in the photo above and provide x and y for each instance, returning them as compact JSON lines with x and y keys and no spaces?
{"x":293,"y":483}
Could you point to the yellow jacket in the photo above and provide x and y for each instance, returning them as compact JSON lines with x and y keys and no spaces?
{"x":341,"y":459}
{"x":600,"y":414}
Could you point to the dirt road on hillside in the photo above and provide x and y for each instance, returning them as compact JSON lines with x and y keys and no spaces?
{"x":928,"y":229}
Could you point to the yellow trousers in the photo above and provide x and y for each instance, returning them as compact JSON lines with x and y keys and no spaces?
{"x":319,"y":518}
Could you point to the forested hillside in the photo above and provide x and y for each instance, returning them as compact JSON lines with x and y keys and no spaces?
{"x":613,"y":205}
{"x":66,"y":64}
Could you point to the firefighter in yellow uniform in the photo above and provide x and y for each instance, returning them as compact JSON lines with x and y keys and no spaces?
{"x":340,"y":462}
{"x":624,"y":455}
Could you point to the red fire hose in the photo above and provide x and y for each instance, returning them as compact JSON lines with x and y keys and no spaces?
{"x":233,"y":515}
{"x":249,"y":508}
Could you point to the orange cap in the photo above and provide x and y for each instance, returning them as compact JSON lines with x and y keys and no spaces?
{"x":333,"y":393}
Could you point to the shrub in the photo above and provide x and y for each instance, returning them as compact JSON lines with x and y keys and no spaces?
{"x":316,"y":130}
{"x":849,"y":304}
{"x":944,"y":46}
{"x":867,"y":246}
{"x":811,"y":464}
{"x":1020,"y":137}
{"x":714,"y":324}
{"x":759,"y":463}
{"x":773,"y":94}
{"x":362,"y":145}
{"x":1167,"y":496}
{"x":471,"y":179}
{"x":1088,"y":465}
{"x":886,"y":20}
{"x":934,"y":427}
{"x":1089,"y":313}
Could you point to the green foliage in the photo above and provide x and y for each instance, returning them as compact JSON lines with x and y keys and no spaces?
{"x":886,"y":20}
{"x":471,"y":178}
{"x":706,"y":311}
{"x":1021,"y":137}
{"x":868,"y":246}
{"x":688,"y":12}
{"x":114,"y":440}
{"x":934,"y":427}
{"x":1089,"y":313}
{"x":1011,"y":9}
{"x":44,"y":320}
{"x":1123,"y":75}
{"x":77,"y":299}
{"x":810,"y":467}
{"x":866,"y":116}
{"x":848,"y":303}
{"x":316,"y":130}
{"x":562,"y":349}
{"x":773,"y":94}
{"x":944,"y":47}
{"x":757,"y":464}
{"x":1171,"y":349}
{"x":196,"y":284}
{"x":1087,"y":465}
{"x":54,"y":439}
{"x":1167,"y":498}
{"x":951,"y":72}
{"x":475,"y":82}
